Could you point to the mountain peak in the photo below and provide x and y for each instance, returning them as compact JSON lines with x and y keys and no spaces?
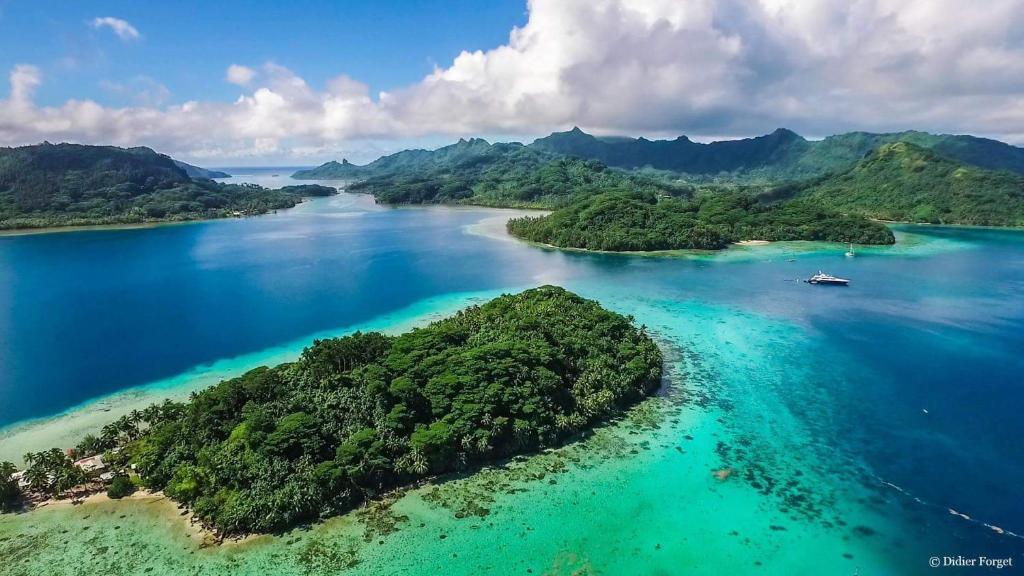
{"x":786,"y":134}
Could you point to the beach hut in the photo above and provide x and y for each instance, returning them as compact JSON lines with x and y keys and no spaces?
{"x":91,"y":464}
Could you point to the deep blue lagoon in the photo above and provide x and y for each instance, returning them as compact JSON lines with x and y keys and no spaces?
{"x":900,"y":395}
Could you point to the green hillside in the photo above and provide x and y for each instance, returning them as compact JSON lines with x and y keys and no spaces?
{"x":475,"y":172}
{"x":71,"y":184}
{"x":905,"y":182}
{"x":780,"y":156}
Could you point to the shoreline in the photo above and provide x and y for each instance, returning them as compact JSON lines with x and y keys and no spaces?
{"x":657,"y":404}
{"x":70,"y":424}
{"x":142,"y":225}
{"x":103,"y":227}
{"x":66,"y":427}
{"x":174,"y":514}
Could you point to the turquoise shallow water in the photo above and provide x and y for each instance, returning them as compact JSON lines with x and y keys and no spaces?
{"x":812,"y":398}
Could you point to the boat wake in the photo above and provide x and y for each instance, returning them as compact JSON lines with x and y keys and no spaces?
{"x":992,"y":527}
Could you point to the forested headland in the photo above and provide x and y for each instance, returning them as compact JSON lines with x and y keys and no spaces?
{"x":70,"y":184}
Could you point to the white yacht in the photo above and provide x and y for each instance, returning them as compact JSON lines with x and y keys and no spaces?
{"x":827,"y":279}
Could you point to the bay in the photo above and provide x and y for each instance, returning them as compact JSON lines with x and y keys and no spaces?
{"x":852,"y":420}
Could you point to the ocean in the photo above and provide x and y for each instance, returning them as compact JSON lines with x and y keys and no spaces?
{"x":801,"y":429}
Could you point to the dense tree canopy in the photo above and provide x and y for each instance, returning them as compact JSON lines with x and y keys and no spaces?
{"x":361,"y":414}
{"x":9,"y":491}
{"x":120,"y":487}
{"x":52,"y":472}
{"x":905,"y":182}
{"x":71,"y":184}
{"x":640,"y":222}
{"x":503,"y":175}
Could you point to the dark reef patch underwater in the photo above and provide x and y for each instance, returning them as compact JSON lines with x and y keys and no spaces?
{"x":804,"y":430}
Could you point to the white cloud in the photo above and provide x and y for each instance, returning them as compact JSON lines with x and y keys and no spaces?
{"x":701,"y":67}
{"x":24,"y":79}
{"x":123,"y":29}
{"x":241,"y":75}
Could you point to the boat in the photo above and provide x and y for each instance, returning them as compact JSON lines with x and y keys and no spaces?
{"x":850,"y":253}
{"x":827,"y":279}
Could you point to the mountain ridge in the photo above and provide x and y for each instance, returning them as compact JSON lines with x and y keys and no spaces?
{"x":782,"y":155}
{"x":45,"y":185}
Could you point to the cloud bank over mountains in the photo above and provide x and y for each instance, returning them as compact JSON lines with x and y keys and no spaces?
{"x":713,"y":68}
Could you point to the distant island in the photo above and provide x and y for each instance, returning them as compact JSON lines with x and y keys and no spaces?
{"x":359,"y":415}
{"x":624,"y":194}
{"x":709,"y":221}
{"x":50,"y":185}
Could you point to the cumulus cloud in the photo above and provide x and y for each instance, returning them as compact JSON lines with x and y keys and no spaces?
{"x":240,"y":75}
{"x":123,"y":29}
{"x":660,"y":67}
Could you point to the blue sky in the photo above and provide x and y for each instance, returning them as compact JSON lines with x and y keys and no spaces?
{"x":249,"y":83}
{"x":186,"y":46}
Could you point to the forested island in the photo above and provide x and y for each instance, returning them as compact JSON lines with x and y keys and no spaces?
{"x":359,"y":415}
{"x":70,"y":184}
{"x":711,"y":221}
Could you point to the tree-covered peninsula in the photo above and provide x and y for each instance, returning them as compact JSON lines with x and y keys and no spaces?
{"x":710,"y":220}
{"x":70,"y":184}
{"x":359,"y":415}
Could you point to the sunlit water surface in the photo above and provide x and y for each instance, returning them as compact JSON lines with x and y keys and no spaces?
{"x":850,"y":420}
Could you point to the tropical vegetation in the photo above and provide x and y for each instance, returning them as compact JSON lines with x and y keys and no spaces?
{"x":10,"y":493}
{"x":780,"y":156}
{"x":120,"y":487}
{"x":359,"y":415}
{"x":70,"y":184}
{"x":634,"y":221}
{"x":52,"y":472}
{"x":904,"y":182}
{"x":511,"y":175}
